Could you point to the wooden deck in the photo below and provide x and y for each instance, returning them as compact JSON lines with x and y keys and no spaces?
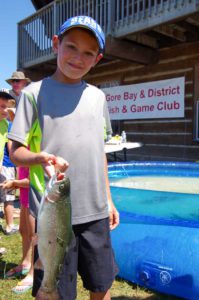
{"x":134,"y":28}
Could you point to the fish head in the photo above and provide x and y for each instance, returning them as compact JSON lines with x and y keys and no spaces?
{"x":64,"y":186}
{"x":58,"y":188}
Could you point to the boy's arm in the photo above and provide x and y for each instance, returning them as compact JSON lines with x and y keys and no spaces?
{"x":15,"y":184}
{"x":113,"y":213}
{"x":21,"y":156}
{"x":1,"y":161}
{"x":21,"y":183}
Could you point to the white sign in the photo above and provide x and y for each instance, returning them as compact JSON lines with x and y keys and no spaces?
{"x":150,"y":100}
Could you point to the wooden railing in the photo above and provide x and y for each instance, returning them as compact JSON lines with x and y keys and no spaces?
{"x":117,"y":18}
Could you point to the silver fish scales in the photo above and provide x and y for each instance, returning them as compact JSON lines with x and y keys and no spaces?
{"x":54,"y":230}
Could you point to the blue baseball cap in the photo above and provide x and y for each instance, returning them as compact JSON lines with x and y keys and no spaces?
{"x":4,"y":93}
{"x":87,"y":23}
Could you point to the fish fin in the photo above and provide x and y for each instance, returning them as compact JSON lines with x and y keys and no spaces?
{"x":38,"y":264}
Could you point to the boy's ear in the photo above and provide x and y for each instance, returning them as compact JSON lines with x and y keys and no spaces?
{"x":99,"y":57}
{"x":55,"y":42}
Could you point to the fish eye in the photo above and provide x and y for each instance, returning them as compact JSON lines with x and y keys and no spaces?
{"x":61,"y":187}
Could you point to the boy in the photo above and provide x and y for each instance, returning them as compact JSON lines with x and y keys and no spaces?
{"x":7,"y":168}
{"x":65,"y":116}
{"x":4,"y":103}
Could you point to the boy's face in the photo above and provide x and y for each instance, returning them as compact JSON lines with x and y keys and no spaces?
{"x":3,"y":109}
{"x":77,"y":53}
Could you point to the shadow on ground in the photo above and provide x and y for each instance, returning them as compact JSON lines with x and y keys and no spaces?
{"x":154,"y":297}
{"x":5,"y":267}
{"x":124,"y":298}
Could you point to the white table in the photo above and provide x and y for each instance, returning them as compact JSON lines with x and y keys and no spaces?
{"x":112,"y":148}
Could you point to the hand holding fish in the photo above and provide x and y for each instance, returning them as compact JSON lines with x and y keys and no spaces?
{"x":61,"y":164}
{"x":53,"y":164}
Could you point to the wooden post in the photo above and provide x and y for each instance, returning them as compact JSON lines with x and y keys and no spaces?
{"x":196,"y":103}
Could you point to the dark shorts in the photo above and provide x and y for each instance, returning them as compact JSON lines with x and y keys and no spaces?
{"x":91,"y":255}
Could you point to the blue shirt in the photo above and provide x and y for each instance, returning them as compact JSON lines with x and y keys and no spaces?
{"x":6,"y":160}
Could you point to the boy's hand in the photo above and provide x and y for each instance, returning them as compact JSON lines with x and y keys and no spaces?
{"x":61,"y":164}
{"x":48,"y":161}
{"x":53,"y":164}
{"x":7,"y":185}
{"x":114,"y":217}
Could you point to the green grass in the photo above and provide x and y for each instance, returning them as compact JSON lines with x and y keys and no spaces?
{"x":121,"y":290}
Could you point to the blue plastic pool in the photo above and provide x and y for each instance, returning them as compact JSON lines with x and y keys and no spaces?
{"x":157,"y":243}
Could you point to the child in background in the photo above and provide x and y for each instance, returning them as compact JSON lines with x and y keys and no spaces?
{"x":27,"y":230}
{"x":8,"y":172}
{"x":2,"y":250}
{"x":4,"y":103}
{"x":7,"y":168}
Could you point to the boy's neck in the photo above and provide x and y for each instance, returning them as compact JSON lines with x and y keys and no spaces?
{"x":58,"y":76}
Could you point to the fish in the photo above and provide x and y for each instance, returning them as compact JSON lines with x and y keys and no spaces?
{"x":54,"y":231}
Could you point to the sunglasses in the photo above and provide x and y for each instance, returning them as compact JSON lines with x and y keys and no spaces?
{"x":16,"y":80}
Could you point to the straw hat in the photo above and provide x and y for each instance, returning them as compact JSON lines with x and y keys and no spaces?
{"x":18,"y":75}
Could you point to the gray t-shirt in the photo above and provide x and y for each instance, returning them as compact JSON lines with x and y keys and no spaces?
{"x":67,"y":120}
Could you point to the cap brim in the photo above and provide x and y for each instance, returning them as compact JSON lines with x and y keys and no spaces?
{"x":6,"y":95}
{"x":87,"y":28}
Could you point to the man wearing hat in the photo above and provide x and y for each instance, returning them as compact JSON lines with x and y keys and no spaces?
{"x":18,"y":81}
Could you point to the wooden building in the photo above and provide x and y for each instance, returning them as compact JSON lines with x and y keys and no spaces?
{"x":146,"y":41}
